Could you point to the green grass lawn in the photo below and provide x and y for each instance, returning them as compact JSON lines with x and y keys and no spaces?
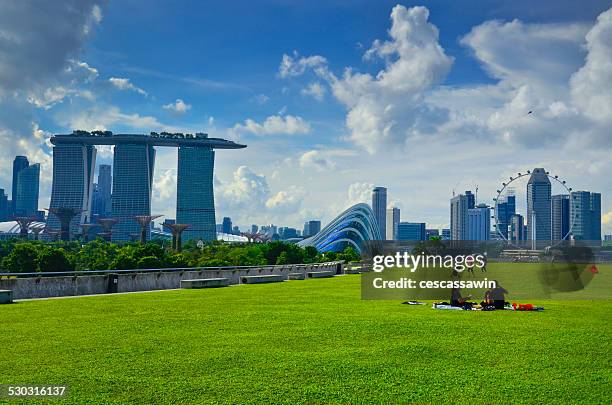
{"x":305,"y":341}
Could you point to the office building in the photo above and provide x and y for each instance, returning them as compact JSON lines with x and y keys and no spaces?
{"x":19,"y":163}
{"x":133,"y":166}
{"x":459,"y":206}
{"x":226,"y":226}
{"x":26,"y":201}
{"x":104,"y":190}
{"x":195,"y":200}
{"x":585,"y":211}
{"x":235,"y":230}
{"x":539,"y":206}
{"x":479,"y":222}
{"x":393,"y":218}
{"x":4,"y":206}
{"x":254,"y":228}
{"x":411,"y":231}
{"x":446,"y":234}
{"x":379,"y":207}
{"x":516,"y":231}
{"x":73,"y":174}
{"x":608,"y":238}
{"x":560,"y":220}
{"x":311,"y":228}
{"x":431,"y":233}
{"x":505,"y":209}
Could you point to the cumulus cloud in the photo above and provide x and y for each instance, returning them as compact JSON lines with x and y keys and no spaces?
{"x":359,"y":193}
{"x":296,"y":65}
{"x":125,"y":84}
{"x":179,"y":106}
{"x":108,"y":117}
{"x":314,"y":90}
{"x":275,"y":125}
{"x":286,"y":201}
{"x":314,"y":159}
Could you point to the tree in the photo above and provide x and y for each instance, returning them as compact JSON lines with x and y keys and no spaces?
{"x":54,"y":260}
{"x":283,"y":258}
{"x":149,"y":262}
{"x":22,"y":259}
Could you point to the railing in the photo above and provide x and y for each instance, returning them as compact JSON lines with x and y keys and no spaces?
{"x":168,"y":270}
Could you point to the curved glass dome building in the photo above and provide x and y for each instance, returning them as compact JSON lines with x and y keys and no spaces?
{"x":354,"y":226}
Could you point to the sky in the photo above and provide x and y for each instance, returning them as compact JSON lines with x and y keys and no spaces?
{"x":332,"y":98}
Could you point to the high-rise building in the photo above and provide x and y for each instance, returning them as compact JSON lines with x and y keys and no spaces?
{"x":479,"y":222}
{"x":411,"y":231}
{"x":608,"y":238}
{"x":254,"y":228}
{"x":393,"y":218}
{"x":105,"y":184}
{"x":311,"y":228}
{"x":132,"y":185}
{"x":236,"y":230}
{"x":19,"y":163}
{"x":26,"y":200}
{"x":195,"y":200}
{"x":379,"y":207}
{"x":538,"y":206}
{"x":585,"y":211}
{"x":227,"y":225}
{"x":4,"y":206}
{"x":560,"y":221}
{"x":505,"y":209}
{"x":516,"y":232}
{"x":459,"y":206}
{"x":73,"y":173}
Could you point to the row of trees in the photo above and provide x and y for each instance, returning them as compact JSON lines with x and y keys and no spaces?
{"x":36,"y":256}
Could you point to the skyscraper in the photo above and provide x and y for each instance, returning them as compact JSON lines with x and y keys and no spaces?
{"x":19,"y":163}
{"x":105,"y":184}
{"x":516,"y":232}
{"x":26,"y":199}
{"x":393,"y":218}
{"x":73,"y":174}
{"x":479,"y":222}
{"x":379,"y":206}
{"x":506,"y":208}
{"x":195,"y":200}
{"x":311,"y":228}
{"x":411,"y":231}
{"x":538,"y":206}
{"x":459,"y":206}
{"x":4,"y":206}
{"x":132,"y":186}
{"x":560,"y":216}
{"x":585,"y":210}
{"x":227,"y":225}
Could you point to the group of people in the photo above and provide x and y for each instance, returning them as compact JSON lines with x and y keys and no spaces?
{"x":494,"y":298}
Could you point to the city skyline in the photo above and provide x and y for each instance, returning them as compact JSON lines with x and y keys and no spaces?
{"x":313,"y":151}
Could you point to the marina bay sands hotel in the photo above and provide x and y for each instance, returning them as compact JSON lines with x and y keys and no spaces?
{"x":74,"y":163}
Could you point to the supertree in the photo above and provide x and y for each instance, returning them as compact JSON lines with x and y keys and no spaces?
{"x":24,"y":226}
{"x":177,"y":231}
{"x":53,"y":233}
{"x":85,"y":228}
{"x":145,"y":221}
{"x":65,"y":216}
{"x":107,"y":227}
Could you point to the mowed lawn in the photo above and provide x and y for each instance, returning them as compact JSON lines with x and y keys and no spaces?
{"x":305,"y":341}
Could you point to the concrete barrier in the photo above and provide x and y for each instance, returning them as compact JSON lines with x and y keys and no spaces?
{"x":321,"y":274}
{"x":46,"y":285}
{"x":6,"y":296}
{"x":295,"y":276}
{"x":272,"y":278}
{"x":205,"y":283}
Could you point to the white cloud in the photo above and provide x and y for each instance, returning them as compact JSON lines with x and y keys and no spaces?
{"x":109,"y":117}
{"x":296,"y":65}
{"x":314,"y":90}
{"x":261,"y":99}
{"x":125,"y":84}
{"x":286,"y":202}
{"x":359,"y":193}
{"x":179,"y":106}
{"x":314,"y":159}
{"x":275,"y":125}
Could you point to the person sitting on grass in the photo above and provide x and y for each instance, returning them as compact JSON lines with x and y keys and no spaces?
{"x":498,"y":296}
{"x":457,"y":300}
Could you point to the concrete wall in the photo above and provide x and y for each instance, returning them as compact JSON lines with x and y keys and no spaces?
{"x":45,"y":287}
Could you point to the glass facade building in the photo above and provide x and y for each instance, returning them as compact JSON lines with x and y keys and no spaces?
{"x":73,"y":173}
{"x":354,"y":226}
{"x":585,"y":209}
{"x":459,"y":206}
{"x":505,"y":210}
{"x":379,"y":207}
{"x":411,"y":231}
{"x":539,"y":206}
{"x":393,"y":219}
{"x":560,"y":221}
{"x":19,"y":163}
{"x":132,"y":186}
{"x":28,"y":181}
{"x":195,"y":200}
{"x":479,"y":222}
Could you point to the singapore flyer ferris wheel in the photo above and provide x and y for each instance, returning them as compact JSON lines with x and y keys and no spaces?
{"x":501,"y":193}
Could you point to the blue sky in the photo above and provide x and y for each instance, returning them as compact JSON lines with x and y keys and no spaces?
{"x":331,"y":97}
